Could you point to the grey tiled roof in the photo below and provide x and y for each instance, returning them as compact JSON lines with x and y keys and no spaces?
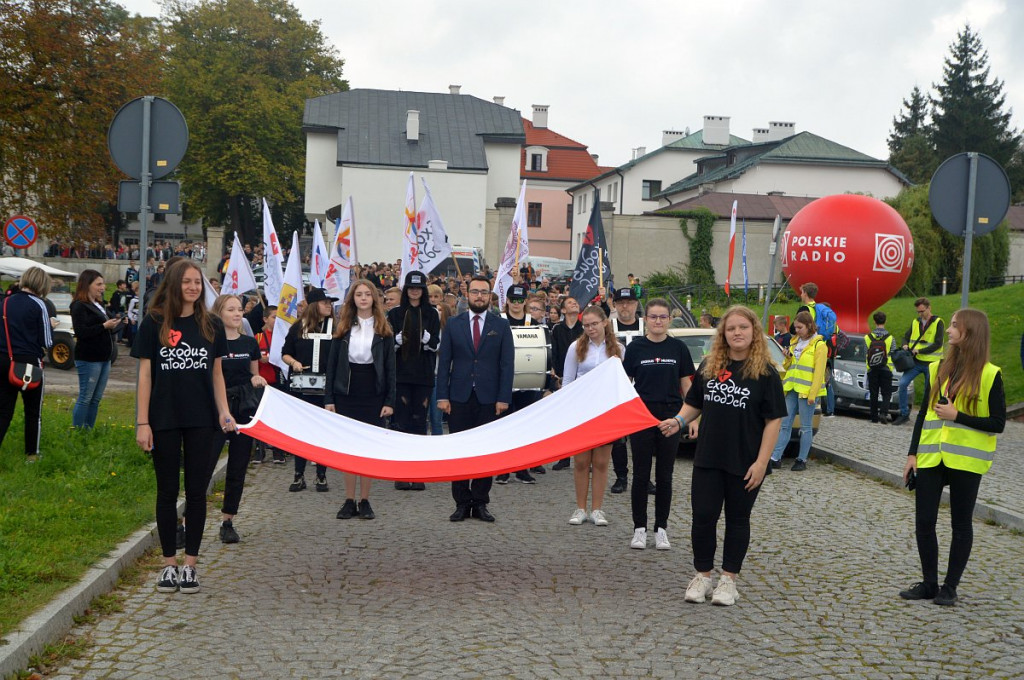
{"x":371,"y":127}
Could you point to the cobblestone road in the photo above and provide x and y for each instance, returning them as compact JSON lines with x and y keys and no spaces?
{"x":410,"y":594}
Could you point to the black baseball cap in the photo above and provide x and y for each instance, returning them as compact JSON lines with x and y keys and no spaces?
{"x":517,"y":292}
{"x":624,"y":294}
{"x":319,"y":295}
{"x":415,"y":279}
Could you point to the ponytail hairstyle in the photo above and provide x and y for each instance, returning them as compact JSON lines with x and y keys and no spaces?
{"x":611,"y":343}
{"x":964,"y":361}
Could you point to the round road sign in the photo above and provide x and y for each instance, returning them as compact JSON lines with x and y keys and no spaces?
{"x":168,"y":135}
{"x":947,"y":194}
{"x":20,"y":231}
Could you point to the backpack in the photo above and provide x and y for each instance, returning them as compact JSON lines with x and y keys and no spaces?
{"x":876,"y":355}
{"x":825,"y":319}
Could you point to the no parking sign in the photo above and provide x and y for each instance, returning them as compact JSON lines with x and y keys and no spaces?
{"x":20,"y":231}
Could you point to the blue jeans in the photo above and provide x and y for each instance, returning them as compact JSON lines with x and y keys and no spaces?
{"x":434,"y":415}
{"x":905,"y":380}
{"x":92,"y":380}
{"x":795,"y":404}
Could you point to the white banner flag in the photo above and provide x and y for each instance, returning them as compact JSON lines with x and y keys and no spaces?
{"x":272,"y":257}
{"x":433,"y":240}
{"x":238,"y":277}
{"x":288,"y":304}
{"x":410,"y":242}
{"x":343,"y":254}
{"x":318,"y":259}
{"x":517,"y":249}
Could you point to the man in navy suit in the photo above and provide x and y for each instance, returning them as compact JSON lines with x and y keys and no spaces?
{"x":474,"y":384}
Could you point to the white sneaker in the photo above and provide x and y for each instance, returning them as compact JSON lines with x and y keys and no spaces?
{"x":661,"y":540}
{"x":699,"y":589}
{"x":598,"y":518}
{"x":725,"y":594}
{"x":639,"y":541}
{"x":579,"y":516}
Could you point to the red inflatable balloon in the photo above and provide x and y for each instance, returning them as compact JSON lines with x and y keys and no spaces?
{"x":857,"y":249}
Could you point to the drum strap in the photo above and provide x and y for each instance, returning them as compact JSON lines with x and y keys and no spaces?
{"x":627,"y":336}
{"x":317,"y":338}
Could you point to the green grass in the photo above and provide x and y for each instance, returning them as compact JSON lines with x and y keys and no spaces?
{"x":1004,"y":307}
{"x":59,"y":516}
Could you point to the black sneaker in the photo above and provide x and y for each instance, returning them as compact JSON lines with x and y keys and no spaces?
{"x":775,"y":463}
{"x":403,"y":486}
{"x":365,"y":511}
{"x":501,"y":479}
{"x":539,"y":470}
{"x":901,"y":419}
{"x":525,"y":477}
{"x":417,"y":486}
{"x":561,"y":465}
{"x":278,"y":457}
{"x":921,"y":591}
{"x":188,"y":582}
{"x":179,"y":537}
{"x":299,"y":484}
{"x":228,"y":533}
{"x":259,"y":455}
{"x":348,"y":509}
{"x":168,"y":581}
{"x":620,"y":485}
{"x":321,"y":483}
{"x":799,"y":466}
{"x":946,"y":596}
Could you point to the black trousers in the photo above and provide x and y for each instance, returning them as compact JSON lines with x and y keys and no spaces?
{"x":239,"y":452}
{"x":963,"y":493}
{"x":620,"y":458}
{"x":411,"y":403}
{"x":651,"y":447}
{"x":168,"y":448}
{"x":32,"y":400}
{"x":466,"y":415}
{"x":879,"y":383}
{"x":710,"y":490}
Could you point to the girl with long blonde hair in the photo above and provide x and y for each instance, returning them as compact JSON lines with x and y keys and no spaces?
{"x":954,"y":444}
{"x":596,"y":345}
{"x":738,"y":397}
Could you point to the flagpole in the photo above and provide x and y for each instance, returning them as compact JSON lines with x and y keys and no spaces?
{"x":600,"y":269}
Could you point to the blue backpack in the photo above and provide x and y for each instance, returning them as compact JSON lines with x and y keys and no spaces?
{"x":825,"y":319}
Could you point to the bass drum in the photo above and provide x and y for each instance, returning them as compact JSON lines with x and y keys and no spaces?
{"x":533,"y":357}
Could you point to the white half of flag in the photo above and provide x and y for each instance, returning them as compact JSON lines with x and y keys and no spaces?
{"x":238,"y":276}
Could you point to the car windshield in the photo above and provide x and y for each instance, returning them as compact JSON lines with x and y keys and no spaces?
{"x":699,"y":345}
{"x":855,"y":350}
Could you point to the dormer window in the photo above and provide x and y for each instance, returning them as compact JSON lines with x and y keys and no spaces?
{"x":536,"y":159}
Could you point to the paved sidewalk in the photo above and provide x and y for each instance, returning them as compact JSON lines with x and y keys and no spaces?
{"x":412,"y":595}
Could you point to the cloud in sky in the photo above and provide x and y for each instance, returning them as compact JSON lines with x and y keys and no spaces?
{"x":616,"y":74}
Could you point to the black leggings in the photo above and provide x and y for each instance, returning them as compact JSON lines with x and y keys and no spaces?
{"x":168,"y":447}
{"x":650,"y":446}
{"x":963,"y":492}
{"x":239,"y":451}
{"x":710,"y":489}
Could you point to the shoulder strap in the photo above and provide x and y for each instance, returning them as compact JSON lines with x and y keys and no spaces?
{"x":7,"y":332}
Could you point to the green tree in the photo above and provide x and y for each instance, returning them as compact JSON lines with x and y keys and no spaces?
{"x":66,"y":66}
{"x":241,"y":71}
{"x":910,"y":146}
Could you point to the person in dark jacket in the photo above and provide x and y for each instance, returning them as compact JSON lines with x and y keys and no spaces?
{"x":361,"y":376}
{"x":94,"y":346}
{"x":25,"y":338}
{"x":417,"y":329}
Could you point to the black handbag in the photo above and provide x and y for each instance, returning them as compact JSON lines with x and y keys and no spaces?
{"x":243,"y":400}
{"x":902,"y":359}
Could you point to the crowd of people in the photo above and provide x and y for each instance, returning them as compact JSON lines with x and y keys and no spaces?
{"x":408,"y":358}
{"x":160,"y":251}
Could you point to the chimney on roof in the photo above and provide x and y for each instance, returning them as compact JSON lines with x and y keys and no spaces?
{"x":412,"y":125}
{"x":500,"y":101}
{"x":454,"y":89}
{"x":437,"y":165}
{"x":669,"y":136}
{"x":540,"y":115}
{"x":760,"y":135}
{"x":780,"y":130}
{"x":639,"y":151}
{"x":716,"y":130}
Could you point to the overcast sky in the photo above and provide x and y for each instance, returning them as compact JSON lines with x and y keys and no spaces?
{"x":615,"y":74}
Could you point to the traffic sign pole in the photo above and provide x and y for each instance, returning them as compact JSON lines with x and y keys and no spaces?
{"x":972,"y":187}
{"x":147,"y":104}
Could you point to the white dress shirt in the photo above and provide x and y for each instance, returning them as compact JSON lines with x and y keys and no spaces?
{"x":360,"y":342}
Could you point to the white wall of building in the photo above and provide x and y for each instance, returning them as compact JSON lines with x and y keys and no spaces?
{"x":502,"y":172}
{"x":323,"y":176}
{"x":807,"y":180}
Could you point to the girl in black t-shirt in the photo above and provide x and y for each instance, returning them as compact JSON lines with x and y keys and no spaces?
{"x":306,"y":349}
{"x":181,"y":405}
{"x":241,"y":367}
{"x":361,"y":376}
{"x":660,"y":367}
{"x":738,"y":395}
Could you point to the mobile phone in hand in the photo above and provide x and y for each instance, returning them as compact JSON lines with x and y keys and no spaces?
{"x":943,"y":400}
{"x":912,"y":480}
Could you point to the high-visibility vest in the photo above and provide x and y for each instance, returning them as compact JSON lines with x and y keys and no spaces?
{"x":954,"y":445}
{"x":800,"y":374}
{"x":926,"y":339}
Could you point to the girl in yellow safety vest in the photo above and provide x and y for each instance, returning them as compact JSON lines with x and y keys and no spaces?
{"x":954,"y":444}
{"x":804,"y":383}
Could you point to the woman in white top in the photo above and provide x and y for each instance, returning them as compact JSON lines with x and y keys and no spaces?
{"x":597,"y":344}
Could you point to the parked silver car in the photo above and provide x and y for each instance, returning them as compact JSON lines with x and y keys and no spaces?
{"x":849,"y":378}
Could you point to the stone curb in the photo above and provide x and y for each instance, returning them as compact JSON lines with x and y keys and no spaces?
{"x":57,"y":617}
{"x":986,"y":512}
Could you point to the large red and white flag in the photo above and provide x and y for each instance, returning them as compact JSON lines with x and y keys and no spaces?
{"x":596,"y":409}
{"x":238,"y":276}
{"x":318,"y":263}
{"x":287,"y":305}
{"x":517,"y":249}
{"x":732,"y":245}
{"x":273,"y":276}
{"x":410,"y":235}
{"x":343,"y":254}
